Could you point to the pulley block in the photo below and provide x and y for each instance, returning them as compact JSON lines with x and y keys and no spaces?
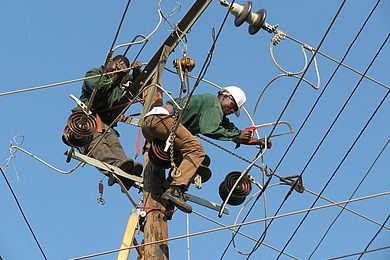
{"x":184,"y":64}
{"x":243,"y":189}
{"x":159,"y":157}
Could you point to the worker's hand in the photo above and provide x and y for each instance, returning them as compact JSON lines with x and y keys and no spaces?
{"x":136,"y":66}
{"x":261,"y":142}
{"x":245,"y":136}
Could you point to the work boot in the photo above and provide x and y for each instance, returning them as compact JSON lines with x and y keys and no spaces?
{"x":125,"y":165}
{"x":175,"y":195}
{"x":137,"y":171}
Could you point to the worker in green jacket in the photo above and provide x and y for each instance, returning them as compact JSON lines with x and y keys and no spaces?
{"x":109,"y":101}
{"x":206,"y":115}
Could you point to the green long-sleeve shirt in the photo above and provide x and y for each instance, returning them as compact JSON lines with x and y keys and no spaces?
{"x":204,"y":115}
{"x":108,"y":95}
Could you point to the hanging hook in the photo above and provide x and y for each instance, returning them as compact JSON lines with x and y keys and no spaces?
{"x":100,"y":200}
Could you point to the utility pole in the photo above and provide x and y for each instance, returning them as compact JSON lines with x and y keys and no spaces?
{"x":156,"y":226}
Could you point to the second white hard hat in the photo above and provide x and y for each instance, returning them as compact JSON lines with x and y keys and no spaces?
{"x":238,"y":96}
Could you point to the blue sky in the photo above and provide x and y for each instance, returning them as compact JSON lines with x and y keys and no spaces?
{"x":47,"y":42}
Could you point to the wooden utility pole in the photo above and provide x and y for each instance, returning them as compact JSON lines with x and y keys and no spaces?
{"x":156,"y":226}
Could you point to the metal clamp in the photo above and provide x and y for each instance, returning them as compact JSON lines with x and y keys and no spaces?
{"x":81,"y":104}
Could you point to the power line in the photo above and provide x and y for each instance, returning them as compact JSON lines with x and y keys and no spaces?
{"x":120,"y":25}
{"x":322,"y":140}
{"x":358,"y":253}
{"x":262,"y":237}
{"x":306,"y":69}
{"x":340,"y":63}
{"x":353,"y":194}
{"x":241,"y":224}
{"x":376,"y":234}
{"x":242,"y":234}
{"x":349,"y":150}
{"x":326,"y":85}
{"x":21,"y":211}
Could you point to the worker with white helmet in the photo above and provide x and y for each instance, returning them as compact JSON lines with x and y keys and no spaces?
{"x":206,"y":115}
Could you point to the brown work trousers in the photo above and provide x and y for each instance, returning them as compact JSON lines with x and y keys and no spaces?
{"x":159,"y":127}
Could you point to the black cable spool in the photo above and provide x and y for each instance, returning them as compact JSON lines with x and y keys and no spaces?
{"x":203,"y":170}
{"x":159,"y":157}
{"x":243,"y":189}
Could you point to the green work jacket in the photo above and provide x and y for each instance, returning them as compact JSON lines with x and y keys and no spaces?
{"x":107,"y":97}
{"x":204,"y":116}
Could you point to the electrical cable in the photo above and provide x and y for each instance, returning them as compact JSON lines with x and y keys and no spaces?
{"x":23,"y":215}
{"x":358,"y":253}
{"x":243,"y":234}
{"x":340,"y":63}
{"x":349,"y":150}
{"x":353,"y":194}
{"x":310,"y":114}
{"x":311,"y":60}
{"x":262,"y":237}
{"x":376,"y":234}
{"x":312,"y":110}
{"x":237,"y":225}
{"x":327,"y":85}
{"x":291,"y":189}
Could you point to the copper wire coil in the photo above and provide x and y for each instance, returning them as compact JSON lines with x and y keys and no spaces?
{"x":80,"y":128}
{"x":73,"y":140}
{"x":243,"y":189}
{"x":159,"y":157}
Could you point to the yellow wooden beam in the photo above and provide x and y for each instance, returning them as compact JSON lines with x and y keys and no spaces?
{"x":128,"y":237}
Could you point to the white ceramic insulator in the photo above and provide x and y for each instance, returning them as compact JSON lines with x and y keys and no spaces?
{"x":236,"y":9}
{"x":252,"y":17}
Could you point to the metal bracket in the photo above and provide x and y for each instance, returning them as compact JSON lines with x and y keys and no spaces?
{"x":105,"y":166}
{"x":81,"y":104}
{"x":131,"y":121}
{"x":206,"y":203}
{"x":291,"y":180}
{"x":198,"y":181}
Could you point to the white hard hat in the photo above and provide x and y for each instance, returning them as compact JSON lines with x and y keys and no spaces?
{"x":238,"y":96}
